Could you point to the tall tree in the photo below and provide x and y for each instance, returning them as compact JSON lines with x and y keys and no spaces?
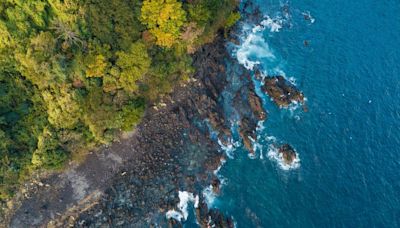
{"x":164,"y":19}
{"x":133,"y":65}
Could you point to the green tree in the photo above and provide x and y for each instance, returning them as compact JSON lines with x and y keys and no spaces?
{"x":200,"y":14}
{"x":164,"y":19}
{"x":114,"y":22}
{"x":74,"y":73}
{"x":63,"y":110}
{"x":96,"y":61}
{"x":133,"y":65}
{"x":48,"y":153}
{"x":232,"y":19}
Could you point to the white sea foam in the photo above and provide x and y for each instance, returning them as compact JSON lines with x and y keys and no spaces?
{"x":257,"y":148}
{"x":307,"y":15}
{"x":257,"y":28}
{"x":274,"y":155}
{"x":292,"y":80}
{"x":260,"y":126}
{"x":196,"y":201}
{"x":219,"y":167}
{"x":209,"y":196}
{"x":274,"y":24}
{"x":294,"y":105}
{"x":184,"y":199}
{"x":229,"y":148}
{"x":270,"y":138}
{"x":174,"y":215}
{"x":253,"y":49}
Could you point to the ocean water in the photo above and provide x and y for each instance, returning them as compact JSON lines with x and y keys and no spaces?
{"x":348,"y":173}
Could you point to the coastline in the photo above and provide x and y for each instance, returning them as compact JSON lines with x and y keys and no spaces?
{"x":172,"y":171}
{"x":167,"y":152}
{"x":176,"y":148}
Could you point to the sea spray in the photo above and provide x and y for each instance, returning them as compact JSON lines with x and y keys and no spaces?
{"x":253,"y":50}
{"x":184,"y":199}
{"x":274,"y":24}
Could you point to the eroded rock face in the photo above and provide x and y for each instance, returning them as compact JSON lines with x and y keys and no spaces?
{"x":247,"y":131}
{"x":249,"y":106}
{"x":288,"y":153}
{"x":212,"y":217}
{"x":256,"y":105}
{"x":281,"y":91}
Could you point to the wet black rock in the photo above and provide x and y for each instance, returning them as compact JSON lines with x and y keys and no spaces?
{"x":247,"y":133}
{"x":256,"y":105}
{"x":176,"y":153}
{"x":282,"y":92}
{"x":216,"y":185}
{"x":249,"y":106}
{"x":288,"y":153}
{"x":212,"y":217}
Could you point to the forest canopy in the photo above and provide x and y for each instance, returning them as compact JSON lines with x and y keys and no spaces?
{"x":75,"y":73}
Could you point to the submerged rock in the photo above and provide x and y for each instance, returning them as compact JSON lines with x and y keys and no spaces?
{"x":281,"y":91}
{"x":288,"y":154}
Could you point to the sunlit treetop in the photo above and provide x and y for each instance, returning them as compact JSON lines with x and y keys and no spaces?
{"x":164,"y":19}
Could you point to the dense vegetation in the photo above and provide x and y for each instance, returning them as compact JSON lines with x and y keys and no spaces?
{"x":75,"y":73}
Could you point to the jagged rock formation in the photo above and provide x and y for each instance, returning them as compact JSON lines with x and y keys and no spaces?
{"x":281,"y":91}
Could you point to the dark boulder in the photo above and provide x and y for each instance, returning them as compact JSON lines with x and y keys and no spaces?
{"x":256,"y":105}
{"x":288,"y":153}
{"x":212,"y":217}
{"x":216,"y":185}
{"x":247,"y":131}
{"x":282,"y":92}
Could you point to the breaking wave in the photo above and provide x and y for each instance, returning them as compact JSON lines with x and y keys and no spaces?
{"x":253,"y":49}
{"x":273,"y":24}
{"x":184,"y":199}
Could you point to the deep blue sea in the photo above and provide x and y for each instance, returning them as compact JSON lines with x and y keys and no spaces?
{"x":349,"y":140}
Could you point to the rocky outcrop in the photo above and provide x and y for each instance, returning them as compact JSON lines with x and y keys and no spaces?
{"x":212,"y":217}
{"x":178,"y":152}
{"x":288,"y":153}
{"x":281,"y":91}
{"x":216,"y":185}
{"x":256,"y":105}
{"x":247,"y":133}
{"x":170,"y":150}
{"x":249,"y":106}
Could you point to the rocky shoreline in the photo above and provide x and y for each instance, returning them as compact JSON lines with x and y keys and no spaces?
{"x":136,"y":181}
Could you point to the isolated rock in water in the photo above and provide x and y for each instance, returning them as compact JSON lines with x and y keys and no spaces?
{"x":282,"y":92}
{"x":256,"y":105}
{"x":288,"y":153}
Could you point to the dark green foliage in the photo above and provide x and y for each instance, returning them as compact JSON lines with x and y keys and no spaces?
{"x":75,"y":73}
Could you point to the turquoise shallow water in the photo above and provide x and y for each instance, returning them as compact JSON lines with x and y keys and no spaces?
{"x":348,"y":142}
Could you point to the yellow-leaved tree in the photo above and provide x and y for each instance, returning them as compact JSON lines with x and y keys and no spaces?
{"x":164,"y":19}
